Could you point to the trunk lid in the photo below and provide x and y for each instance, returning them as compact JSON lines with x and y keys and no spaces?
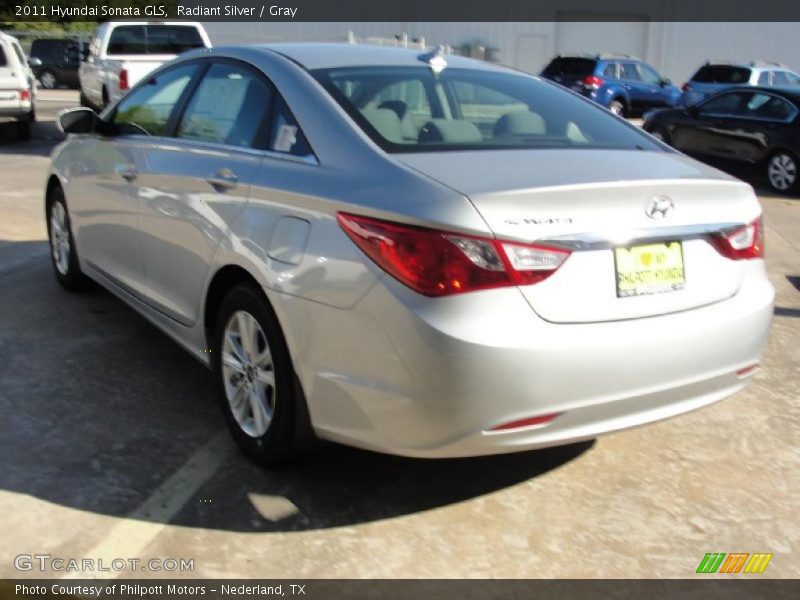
{"x":594,"y":201}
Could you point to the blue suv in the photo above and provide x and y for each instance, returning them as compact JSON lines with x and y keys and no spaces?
{"x":623,"y":84}
{"x":714,"y":77}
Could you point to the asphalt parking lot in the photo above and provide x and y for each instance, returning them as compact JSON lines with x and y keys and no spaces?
{"x":113,"y":447}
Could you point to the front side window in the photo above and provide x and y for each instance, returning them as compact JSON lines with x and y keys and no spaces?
{"x":779,"y":78}
{"x":228,"y":107}
{"x":472,"y":109}
{"x":630,"y":72}
{"x":147,"y":109}
{"x":649,"y":76}
{"x":792,"y":78}
{"x":730,"y":104}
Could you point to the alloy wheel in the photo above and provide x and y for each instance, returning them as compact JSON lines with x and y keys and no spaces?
{"x":59,"y":237}
{"x":48,"y":80}
{"x":782,"y":172}
{"x":248,"y":374}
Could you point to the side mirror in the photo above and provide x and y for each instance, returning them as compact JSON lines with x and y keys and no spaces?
{"x":78,"y":120}
{"x":34,"y":62}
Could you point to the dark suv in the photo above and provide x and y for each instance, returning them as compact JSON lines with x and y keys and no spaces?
{"x":623,"y":84}
{"x":60,"y":61}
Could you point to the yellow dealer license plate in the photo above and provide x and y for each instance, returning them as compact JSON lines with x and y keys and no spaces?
{"x":649,"y":269}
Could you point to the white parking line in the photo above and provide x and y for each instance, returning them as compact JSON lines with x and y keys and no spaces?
{"x":134,"y":533}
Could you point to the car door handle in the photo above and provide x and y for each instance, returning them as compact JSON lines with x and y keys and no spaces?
{"x":223,"y":180}
{"x":127,"y":172}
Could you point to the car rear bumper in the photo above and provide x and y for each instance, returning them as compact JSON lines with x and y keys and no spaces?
{"x":408,"y":375}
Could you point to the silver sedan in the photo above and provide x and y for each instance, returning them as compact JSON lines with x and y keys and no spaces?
{"x":411,"y":252}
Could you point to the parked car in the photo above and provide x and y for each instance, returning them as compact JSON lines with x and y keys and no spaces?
{"x":17,"y":87}
{"x":122,"y":52}
{"x":60,"y":59}
{"x":356,"y":254}
{"x":717,"y":76}
{"x":624,"y":85}
{"x":754,"y":126}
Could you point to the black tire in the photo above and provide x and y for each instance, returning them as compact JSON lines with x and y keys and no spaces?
{"x":72,"y":278}
{"x":617,"y":107}
{"x":23,"y":130}
{"x":661,"y":134}
{"x":48,"y":80}
{"x":787,"y":161}
{"x":282,"y":438}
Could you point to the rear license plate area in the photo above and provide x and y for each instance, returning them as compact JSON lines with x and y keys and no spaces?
{"x":647,"y":269}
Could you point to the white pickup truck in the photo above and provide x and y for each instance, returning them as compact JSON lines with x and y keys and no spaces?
{"x":123,"y":52}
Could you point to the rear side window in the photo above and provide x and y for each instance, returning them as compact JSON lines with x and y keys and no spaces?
{"x":764,"y":79}
{"x":287,"y":137}
{"x":766,"y":106}
{"x":610,"y":71}
{"x":577,"y":67}
{"x":722,"y":74}
{"x":148,"y":108}
{"x":228,"y":107}
{"x":153,"y":39}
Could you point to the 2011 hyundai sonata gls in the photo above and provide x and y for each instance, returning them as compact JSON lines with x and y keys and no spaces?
{"x":414,"y":253}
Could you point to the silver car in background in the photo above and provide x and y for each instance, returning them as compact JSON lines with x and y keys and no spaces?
{"x":412,"y":253}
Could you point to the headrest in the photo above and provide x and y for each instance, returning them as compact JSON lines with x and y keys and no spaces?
{"x":520,"y":123}
{"x":386,"y":122}
{"x":451,"y":132}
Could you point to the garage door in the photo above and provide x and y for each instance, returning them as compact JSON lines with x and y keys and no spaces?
{"x":628,"y":36}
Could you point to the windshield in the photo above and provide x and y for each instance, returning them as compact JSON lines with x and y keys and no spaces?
{"x":722,"y":74}
{"x":409,"y":109}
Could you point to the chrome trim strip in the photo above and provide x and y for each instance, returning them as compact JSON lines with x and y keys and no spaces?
{"x":604,"y":241}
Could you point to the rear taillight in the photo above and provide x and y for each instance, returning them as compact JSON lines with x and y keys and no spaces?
{"x":743,"y":242}
{"x":24,"y":95}
{"x":441,"y":263}
{"x":123,"y":80}
{"x":593,"y":81}
{"x":686,"y":87}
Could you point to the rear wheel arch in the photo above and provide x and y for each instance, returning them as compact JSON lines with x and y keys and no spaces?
{"x":224,"y":280}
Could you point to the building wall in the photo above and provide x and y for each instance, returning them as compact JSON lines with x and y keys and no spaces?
{"x":676,"y":49}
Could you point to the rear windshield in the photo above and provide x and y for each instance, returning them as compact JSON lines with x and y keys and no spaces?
{"x":577,"y":67}
{"x":722,"y":74}
{"x":409,"y":109}
{"x":153,"y":39}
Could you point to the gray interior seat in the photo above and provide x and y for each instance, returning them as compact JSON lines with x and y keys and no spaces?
{"x":451,"y":132}
{"x":520,"y":122}
{"x":386,"y":122}
{"x":407,"y":126}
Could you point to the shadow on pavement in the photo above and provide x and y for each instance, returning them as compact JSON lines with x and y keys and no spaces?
{"x":100,"y":409}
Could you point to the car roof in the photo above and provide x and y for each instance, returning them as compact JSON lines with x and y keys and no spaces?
{"x":313,"y":55}
{"x":791,"y":93}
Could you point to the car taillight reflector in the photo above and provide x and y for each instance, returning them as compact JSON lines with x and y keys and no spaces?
{"x":123,"y":80}
{"x":441,"y":263}
{"x":686,"y":87}
{"x":593,"y":81}
{"x":529,"y":422}
{"x":743,"y":242}
{"x":24,"y":95}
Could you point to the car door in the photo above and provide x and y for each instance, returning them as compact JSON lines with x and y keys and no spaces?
{"x":197,"y":182}
{"x":102,"y":195}
{"x":657,"y":93}
{"x":632,"y":82}
{"x":708,"y":129}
